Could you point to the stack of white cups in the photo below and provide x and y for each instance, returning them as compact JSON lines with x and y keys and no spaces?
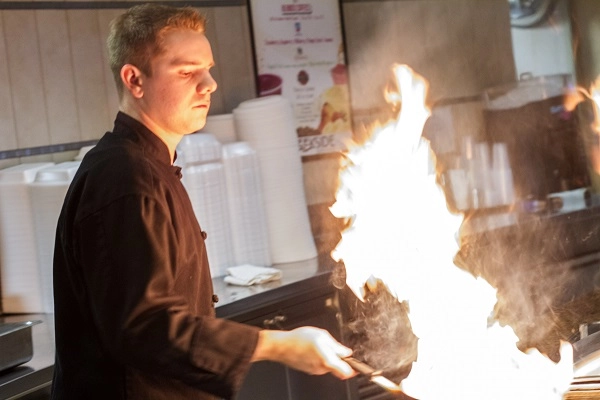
{"x":250,"y":235}
{"x":502,"y":175}
{"x":268,"y":125}
{"x":199,"y":155}
{"x":47,"y":193}
{"x":20,"y":274}
{"x":486,"y":180}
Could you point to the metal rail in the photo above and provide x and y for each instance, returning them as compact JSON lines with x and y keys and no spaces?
{"x":49,"y":149}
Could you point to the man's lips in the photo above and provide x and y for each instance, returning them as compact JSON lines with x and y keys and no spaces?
{"x":202,"y":104}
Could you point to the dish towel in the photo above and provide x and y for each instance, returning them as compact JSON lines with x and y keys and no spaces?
{"x":246,"y":275}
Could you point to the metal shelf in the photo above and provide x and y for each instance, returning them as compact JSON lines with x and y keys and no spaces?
{"x":49,"y":149}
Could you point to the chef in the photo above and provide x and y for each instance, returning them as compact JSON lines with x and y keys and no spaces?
{"x":134,"y":312}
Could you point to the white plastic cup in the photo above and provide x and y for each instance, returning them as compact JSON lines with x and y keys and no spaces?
{"x":503,"y":177}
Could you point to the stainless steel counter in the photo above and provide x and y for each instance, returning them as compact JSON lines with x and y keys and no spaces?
{"x":36,"y":374}
{"x":235,"y":302}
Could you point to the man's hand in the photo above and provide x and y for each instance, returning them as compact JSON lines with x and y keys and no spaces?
{"x":308,"y":349}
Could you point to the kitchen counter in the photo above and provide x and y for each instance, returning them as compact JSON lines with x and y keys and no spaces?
{"x":542,"y":249}
{"x":299,"y":279}
{"x":572,"y":231}
{"x":545,"y":266}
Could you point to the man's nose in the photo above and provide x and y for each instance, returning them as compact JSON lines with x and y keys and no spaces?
{"x":207,"y":84}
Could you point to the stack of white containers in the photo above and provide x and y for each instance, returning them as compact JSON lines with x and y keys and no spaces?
{"x":199,"y":155}
{"x":222,"y":127}
{"x":20,"y":275}
{"x":267,"y":124}
{"x":47,"y":193}
{"x":250,"y":236}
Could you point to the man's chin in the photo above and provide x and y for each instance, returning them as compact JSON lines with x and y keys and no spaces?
{"x":201,"y":119}
{"x":198,"y":126}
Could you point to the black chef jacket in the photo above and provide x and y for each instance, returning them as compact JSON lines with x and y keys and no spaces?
{"x":132,"y":288}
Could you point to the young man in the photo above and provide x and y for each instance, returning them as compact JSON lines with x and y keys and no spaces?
{"x":133,"y":294}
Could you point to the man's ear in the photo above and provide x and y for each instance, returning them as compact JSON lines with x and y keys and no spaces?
{"x":132,"y":80}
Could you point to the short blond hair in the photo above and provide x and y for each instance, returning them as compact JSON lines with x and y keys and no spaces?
{"x":136,"y":36}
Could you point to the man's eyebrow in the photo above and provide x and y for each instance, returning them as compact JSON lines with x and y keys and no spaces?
{"x":184,"y":62}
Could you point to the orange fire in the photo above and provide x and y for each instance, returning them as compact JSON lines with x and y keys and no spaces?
{"x":595,"y":96}
{"x":594,"y":147}
{"x":403,"y":233}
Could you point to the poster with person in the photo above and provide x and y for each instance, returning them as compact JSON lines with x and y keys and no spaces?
{"x":299,"y":53}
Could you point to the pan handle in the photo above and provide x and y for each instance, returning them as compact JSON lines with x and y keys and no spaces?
{"x":359,"y":366}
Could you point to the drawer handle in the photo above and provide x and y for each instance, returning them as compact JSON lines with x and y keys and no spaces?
{"x":275,"y":321}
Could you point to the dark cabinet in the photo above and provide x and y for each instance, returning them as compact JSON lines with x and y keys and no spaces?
{"x":271,"y":381}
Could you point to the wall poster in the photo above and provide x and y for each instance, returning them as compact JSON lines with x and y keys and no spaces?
{"x":299,"y":54}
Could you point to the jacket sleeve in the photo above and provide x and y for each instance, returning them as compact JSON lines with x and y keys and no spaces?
{"x":128,"y":254}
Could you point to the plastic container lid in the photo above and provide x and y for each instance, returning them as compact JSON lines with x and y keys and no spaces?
{"x":198,"y":148}
{"x":58,"y":173}
{"x":22,"y":173}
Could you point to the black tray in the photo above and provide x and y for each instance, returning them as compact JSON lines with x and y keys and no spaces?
{"x":16,"y":345}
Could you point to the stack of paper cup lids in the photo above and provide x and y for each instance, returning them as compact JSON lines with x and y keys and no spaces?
{"x":250,"y":236}
{"x":19,"y":272}
{"x":47,"y":193}
{"x":204,"y":180}
{"x":222,"y":127}
{"x":268,"y":125}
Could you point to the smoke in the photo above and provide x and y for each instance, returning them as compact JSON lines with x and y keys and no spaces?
{"x":379,"y":331}
{"x":537,"y":287}
{"x":402,"y":233}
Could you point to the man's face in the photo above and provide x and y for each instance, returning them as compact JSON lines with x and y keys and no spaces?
{"x":176,"y":97}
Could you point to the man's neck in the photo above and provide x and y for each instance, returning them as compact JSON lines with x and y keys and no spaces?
{"x":171,"y":140}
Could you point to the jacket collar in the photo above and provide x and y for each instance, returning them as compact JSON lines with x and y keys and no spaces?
{"x":153,"y":146}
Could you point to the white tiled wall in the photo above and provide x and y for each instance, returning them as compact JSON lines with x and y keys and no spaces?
{"x":56,"y":86}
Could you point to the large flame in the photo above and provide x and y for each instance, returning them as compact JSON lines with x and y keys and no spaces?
{"x":403,"y":233}
{"x":595,"y":96}
{"x":594,"y":146}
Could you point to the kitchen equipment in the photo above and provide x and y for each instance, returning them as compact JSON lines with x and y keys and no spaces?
{"x":374,"y":376}
{"x":16,"y":343}
{"x":529,"y":13}
{"x":533,"y":117}
{"x":586,"y":367}
{"x":586,"y":356}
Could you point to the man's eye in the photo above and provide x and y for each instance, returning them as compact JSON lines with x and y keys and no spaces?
{"x":186,"y":73}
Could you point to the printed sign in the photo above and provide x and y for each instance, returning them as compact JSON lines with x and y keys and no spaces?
{"x":299,"y":54}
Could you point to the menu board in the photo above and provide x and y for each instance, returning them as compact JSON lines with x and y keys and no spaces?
{"x":299,"y":53}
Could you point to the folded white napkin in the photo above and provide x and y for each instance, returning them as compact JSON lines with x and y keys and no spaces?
{"x":246,"y":275}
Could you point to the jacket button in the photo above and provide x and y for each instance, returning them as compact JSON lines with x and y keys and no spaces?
{"x":204,"y":235}
{"x":215,"y":298}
